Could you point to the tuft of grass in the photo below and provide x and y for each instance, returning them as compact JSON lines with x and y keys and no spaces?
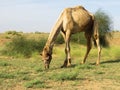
{"x":99,"y":72}
{"x":85,"y":66}
{"x":7,"y":75}
{"x":71,"y":75}
{"x":4,"y":63}
{"x":35,"y":84}
{"x":38,"y":69}
{"x":25,"y":77}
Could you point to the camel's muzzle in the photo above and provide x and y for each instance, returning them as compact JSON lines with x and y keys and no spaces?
{"x":46,"y":66}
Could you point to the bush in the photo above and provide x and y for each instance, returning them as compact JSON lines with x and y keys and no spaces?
{"x":37,"y":32}
{"x":13,"y":33}
{"x":21,"y":46}
{"x":79,"y":38}
{"x":59,"y":39}
{"x":105,"y":26}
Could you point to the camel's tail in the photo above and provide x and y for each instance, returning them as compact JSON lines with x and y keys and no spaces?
{"x":95,"y":31}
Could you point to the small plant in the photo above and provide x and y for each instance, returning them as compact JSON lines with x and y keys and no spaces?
{"x":72,"y":75}
{"x":38,"y":69}
{"x":7,"y":75}
{"x":25,"y":77}
{"x":4,"y":63}
{"x":85,"y":66}
{"x":35,"y":84}
{"x":99,"y":72}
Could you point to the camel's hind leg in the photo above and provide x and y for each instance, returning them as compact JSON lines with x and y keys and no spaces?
{"x":96,"y":37}
{"x":89,"y":45}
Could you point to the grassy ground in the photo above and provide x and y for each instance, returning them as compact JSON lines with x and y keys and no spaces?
{"x":29,"y":74}
{"x":22,"y":74}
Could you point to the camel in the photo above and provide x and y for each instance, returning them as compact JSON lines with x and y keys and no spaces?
{"x":72,"y":20}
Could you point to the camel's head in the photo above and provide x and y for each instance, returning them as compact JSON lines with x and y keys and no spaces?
{"x":46,"y":56}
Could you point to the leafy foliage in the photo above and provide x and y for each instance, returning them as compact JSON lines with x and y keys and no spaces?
{"x":13,"y":32}
{"x":105,"y":26}
{"x":59,"y":39}
{"x":21,"y":46}
{"x":79,"y":38}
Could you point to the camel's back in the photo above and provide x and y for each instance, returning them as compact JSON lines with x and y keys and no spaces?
{"x":77,"y":17}
{"x":80,"y":15}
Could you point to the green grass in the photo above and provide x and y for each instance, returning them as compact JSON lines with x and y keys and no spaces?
{"x":30,"y":73}
{"x":65,"y":75}
{"x":4,"y":63}
{"x":35,"y":84}
{"x":21,"y":46}
{"x":7,"y":75}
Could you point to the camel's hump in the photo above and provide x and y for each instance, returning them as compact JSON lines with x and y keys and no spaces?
{"x":78,"y":7}
{"x":75,"y":8}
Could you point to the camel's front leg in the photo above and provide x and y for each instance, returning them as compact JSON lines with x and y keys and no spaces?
{"x":67,"y":61}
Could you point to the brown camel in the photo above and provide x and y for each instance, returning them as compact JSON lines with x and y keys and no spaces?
{"x":72,"y":20}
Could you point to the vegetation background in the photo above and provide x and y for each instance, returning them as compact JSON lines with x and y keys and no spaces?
{"x":21,"y":66}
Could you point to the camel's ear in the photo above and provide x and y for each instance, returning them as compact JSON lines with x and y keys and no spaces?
{"x":48,"y":54}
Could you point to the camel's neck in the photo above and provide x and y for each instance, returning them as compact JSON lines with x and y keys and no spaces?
{"x":54,"y":33}
{"x":52,"y":36}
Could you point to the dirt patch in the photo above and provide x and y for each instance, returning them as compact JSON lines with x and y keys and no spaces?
{"x":84,"y":85}
{"x":101,"y":85}
{"x":114,"y":41}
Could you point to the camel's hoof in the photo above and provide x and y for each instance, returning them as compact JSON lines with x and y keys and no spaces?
{"x":97,"y":64}
{"x":69,"y":65}
{"x":82,"y":63}
{"x":63,"y":66}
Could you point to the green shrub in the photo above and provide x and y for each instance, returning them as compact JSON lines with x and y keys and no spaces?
{"x":79,"y":38}
{"x":12,"y":32}
{"x":37,"y":32}
{"x":21,"y":46}
{"x":105,"y":26}
{"x":76,"y":38}
{"x":59,"y":39}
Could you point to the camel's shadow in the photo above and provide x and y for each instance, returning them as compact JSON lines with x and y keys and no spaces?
{"x":101,"y":63}
{"x":107,"y":61}
{"x":111,"y":61}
